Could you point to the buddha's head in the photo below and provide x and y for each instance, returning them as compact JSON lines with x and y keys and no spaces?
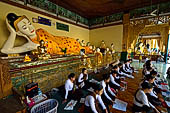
{"x":21,"y":24}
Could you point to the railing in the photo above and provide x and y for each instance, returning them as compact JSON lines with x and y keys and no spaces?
{"x":52,"y":72}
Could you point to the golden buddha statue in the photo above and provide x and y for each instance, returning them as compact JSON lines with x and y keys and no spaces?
{"x":102,"y":46}
{"x":42,"y":51}
{"x":99,"y":57}
{"x":108,"y":56}
{"x":20,"y":25}
{"x":86,"y":61}
{"x":112,"y":48}
{"x":82,"y":43}
{"x":88,"y":48}
{"x":27,"y":58}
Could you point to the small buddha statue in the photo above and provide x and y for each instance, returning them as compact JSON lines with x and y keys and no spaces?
{"x":99,"y":56}
{"x":82,"y":43}
{"x":27,"y":58}
{"x":145,"y":50}
{"x":94,"y":48}
{"x":102,"y":46}
{"x":112,"y":48}
{"x":108,"y":56}
{"x":88,"y":48}
{"x":78,"y":41}
{"x":86,"y":61}
{"x":42,"y":51}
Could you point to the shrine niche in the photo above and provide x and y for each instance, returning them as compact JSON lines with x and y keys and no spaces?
{"x":148,"y":27}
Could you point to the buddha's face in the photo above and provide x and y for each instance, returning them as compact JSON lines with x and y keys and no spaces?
{"x":26,"y":28}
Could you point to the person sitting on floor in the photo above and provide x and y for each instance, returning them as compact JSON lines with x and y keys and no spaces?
{"x":168,"y":72}
{"x":114,"y":81}
{"x":148,"y":67}
{"x":91,"y":101}
{"x":115,"y":68}
{"x":129,"y":67}
{"x":83,"y":79}
{"x":108,"y":96}
{"x":70,"y":92}
{"x":126,"y":69}
{"x":121,"y":72}
{"x":152,"y":96}
{"x":141,"y":103}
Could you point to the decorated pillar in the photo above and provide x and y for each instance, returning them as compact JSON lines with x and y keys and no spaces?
{"x":126,"y":28}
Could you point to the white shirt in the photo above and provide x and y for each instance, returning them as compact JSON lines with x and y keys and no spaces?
{"x":68,"y":87}
{"x":141,"y":96}
{"x":122,"y":73}
{"x":152,"y":93}
{"x":80,"y":79}
{"x":104,"y":90}
{"x":112,"y":79}
{"x":90,"y":101}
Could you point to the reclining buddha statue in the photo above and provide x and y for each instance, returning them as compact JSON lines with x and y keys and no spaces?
{"x":20,"y":25}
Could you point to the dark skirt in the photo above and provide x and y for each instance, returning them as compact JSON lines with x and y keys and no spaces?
{"x":75,"y":95}
{"x":88,"y":109}
{"x":142,"y":109}
{"x":114,"y":86}
{"x":153,"y":100}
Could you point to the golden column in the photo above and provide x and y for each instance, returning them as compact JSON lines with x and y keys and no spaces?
{"x":126,"y":29}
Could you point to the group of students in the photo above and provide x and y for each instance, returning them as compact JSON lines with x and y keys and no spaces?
{"x":105,"y":92}
{"x":147,"y":97}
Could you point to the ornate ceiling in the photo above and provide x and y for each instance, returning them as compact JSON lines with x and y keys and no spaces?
{"x":99,"y":8}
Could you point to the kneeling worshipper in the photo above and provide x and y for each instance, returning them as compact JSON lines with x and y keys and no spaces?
{"x":94,"y":102}
{"x":83,"y":79}
{"x":141,"y":103}
{"x":70,"y":91}
{"x":108,"y":95}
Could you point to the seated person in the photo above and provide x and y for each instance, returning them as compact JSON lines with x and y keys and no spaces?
{"x":91,"y":104}
{"x":115,"y":68}
{"x":152,"y":96}
{"x":148,"y":67}
{"x":141,"y":103}
{"x":121,"y":72}
{"x":83,"y":79}
{"x":126,"y":69}
{"x":114,"y":82}
{"x":108,"y":96}
{"x":129,"y":67}
{"x":70,"y":92}
{"x":155,"y":83}
{"x":168,"y":72}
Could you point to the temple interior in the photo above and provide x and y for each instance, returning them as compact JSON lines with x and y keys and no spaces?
{"x":84,"y":56}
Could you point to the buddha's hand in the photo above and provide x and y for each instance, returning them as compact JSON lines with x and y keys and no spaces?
{"x":10,"y":28}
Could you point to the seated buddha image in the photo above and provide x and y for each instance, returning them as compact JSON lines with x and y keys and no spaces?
{"x":108,"y":55}
{"x":112,"y":48}
{"x":42,"y":51}
{"x":20,"y":25}
{"x":99,"y":56}
{"x":102,"y":46}
{"x":88,"y":48}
